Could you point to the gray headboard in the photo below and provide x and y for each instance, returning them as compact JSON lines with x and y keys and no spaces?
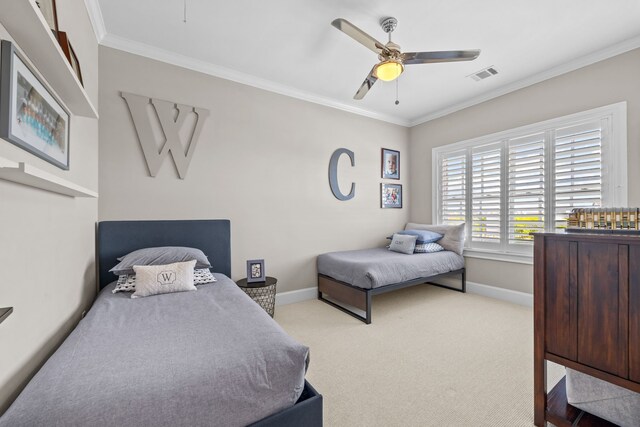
{"x":118,"y":238}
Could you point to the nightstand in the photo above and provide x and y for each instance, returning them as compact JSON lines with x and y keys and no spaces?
{"x":264,"y":293}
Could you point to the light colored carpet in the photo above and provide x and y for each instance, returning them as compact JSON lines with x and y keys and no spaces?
{"x":431,"y":357}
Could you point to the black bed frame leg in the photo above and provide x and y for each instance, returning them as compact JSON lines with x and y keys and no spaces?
{"x":464,"y":280}
{"x":368,"y":319}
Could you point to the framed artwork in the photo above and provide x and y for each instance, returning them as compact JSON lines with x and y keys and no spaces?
{"x":30,"y":117}
{"x":255,"y":270}
{"x":63,"y":39}
{"x":48,"y":9}
{"x":390,"y":164}
{"x":390,"y":196}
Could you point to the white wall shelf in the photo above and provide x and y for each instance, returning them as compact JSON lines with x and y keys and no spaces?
{"x":26,"y":174}
{"x":27,"y":26}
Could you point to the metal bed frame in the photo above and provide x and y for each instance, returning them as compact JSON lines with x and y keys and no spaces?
{"x":360,"y":298}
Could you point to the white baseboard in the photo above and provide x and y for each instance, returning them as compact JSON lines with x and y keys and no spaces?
{"x":516,"y":297}
{"x":290,"y":297}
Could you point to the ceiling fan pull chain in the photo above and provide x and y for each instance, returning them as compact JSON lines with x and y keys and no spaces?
{"x":397,"y":84}
{"x":184,"y":19}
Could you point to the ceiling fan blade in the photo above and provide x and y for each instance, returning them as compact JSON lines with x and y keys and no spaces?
{"x":366,"y":85}
{"x":442,"y":56}
{"x":358,"y":35}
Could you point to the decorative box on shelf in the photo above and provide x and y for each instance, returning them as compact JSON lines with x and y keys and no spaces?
{"x":604,"y":220}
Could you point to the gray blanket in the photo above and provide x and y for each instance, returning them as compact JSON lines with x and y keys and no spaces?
{"x":372,"y":268}
{"x":210,"y":357}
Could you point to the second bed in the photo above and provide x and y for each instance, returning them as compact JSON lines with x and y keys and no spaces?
{"x":350,"y":278}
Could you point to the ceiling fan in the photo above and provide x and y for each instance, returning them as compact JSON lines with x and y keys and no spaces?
{"x":392,"y":60}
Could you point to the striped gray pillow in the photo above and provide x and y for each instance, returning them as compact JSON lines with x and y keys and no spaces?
{"x":427,"y":248}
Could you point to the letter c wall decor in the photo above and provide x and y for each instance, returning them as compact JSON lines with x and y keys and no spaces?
{"x":333,"y":174}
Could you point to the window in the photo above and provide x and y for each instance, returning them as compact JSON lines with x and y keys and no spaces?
{"x":507,"y":185}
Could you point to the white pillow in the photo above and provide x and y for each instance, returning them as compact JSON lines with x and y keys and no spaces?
{"x":164,"y":279}
{"x":127,"y":282}
{"x":403,"y":243}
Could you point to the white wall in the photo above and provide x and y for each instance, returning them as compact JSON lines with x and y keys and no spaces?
{"x":261,"y":161}
{"x":603,"y":83}
{"x":47,"y":240}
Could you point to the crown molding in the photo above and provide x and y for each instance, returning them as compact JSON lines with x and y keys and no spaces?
{"x":152,"y":52}
{"x":97,"y":21}
{"x":592,"y":58}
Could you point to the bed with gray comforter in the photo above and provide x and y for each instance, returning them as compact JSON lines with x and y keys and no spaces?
{"x":184,"y":358}
{"x":347,"y":280}
{"x":373,"y":268}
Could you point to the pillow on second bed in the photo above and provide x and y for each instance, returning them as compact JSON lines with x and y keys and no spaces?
{"x":453,"y":235}
{"x":424,"y":236}
{"x":427,"y":248}
{"x":403,"y":243}
{"x":164,"y":279}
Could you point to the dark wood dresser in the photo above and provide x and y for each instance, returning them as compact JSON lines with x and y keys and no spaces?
{"x":586,"y":316}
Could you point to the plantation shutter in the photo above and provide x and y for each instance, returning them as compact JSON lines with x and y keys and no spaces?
{"x":526,"y":189}
{"x":577,"y":178}
{"x":453,"y":184}
{"x":486,"y":163}
{"x":512,"y":184}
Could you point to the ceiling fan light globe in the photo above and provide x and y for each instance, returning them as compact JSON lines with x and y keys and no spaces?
{"x":388,"y":70}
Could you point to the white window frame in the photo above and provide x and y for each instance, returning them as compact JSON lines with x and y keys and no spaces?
{"x":614,"y":170}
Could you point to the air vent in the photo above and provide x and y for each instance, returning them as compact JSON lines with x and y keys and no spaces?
{"x":483,"y":74}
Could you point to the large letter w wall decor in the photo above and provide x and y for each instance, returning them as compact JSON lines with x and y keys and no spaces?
{"x":169,"y":119}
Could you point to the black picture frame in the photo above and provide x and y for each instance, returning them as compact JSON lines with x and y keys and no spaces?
{"x":30,"y":116}
{"x":255,"y":271}
{"x":390,"y":168}
{"x":390,"y":196}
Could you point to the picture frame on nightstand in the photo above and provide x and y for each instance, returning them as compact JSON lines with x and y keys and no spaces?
{"x":255,"y":271}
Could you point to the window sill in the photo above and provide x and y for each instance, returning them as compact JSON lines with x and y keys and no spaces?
{"x":518,"y":258}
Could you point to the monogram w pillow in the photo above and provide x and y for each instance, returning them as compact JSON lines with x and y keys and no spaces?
{"x":127,"y":282}
{"x":164,"y":279}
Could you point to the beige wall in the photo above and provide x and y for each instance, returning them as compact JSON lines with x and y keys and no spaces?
{"x":261,"y":161}
{"x":47,"y":240}
{"x":603,"y":83}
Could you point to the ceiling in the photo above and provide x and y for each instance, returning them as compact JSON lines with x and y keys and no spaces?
{"x":289,"y":46}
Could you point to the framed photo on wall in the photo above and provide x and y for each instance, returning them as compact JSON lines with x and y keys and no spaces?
{"x":255,"y":270}
{"x":390,"y":196}
{"x":30,"y":117}
{"x":390,"y":164}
